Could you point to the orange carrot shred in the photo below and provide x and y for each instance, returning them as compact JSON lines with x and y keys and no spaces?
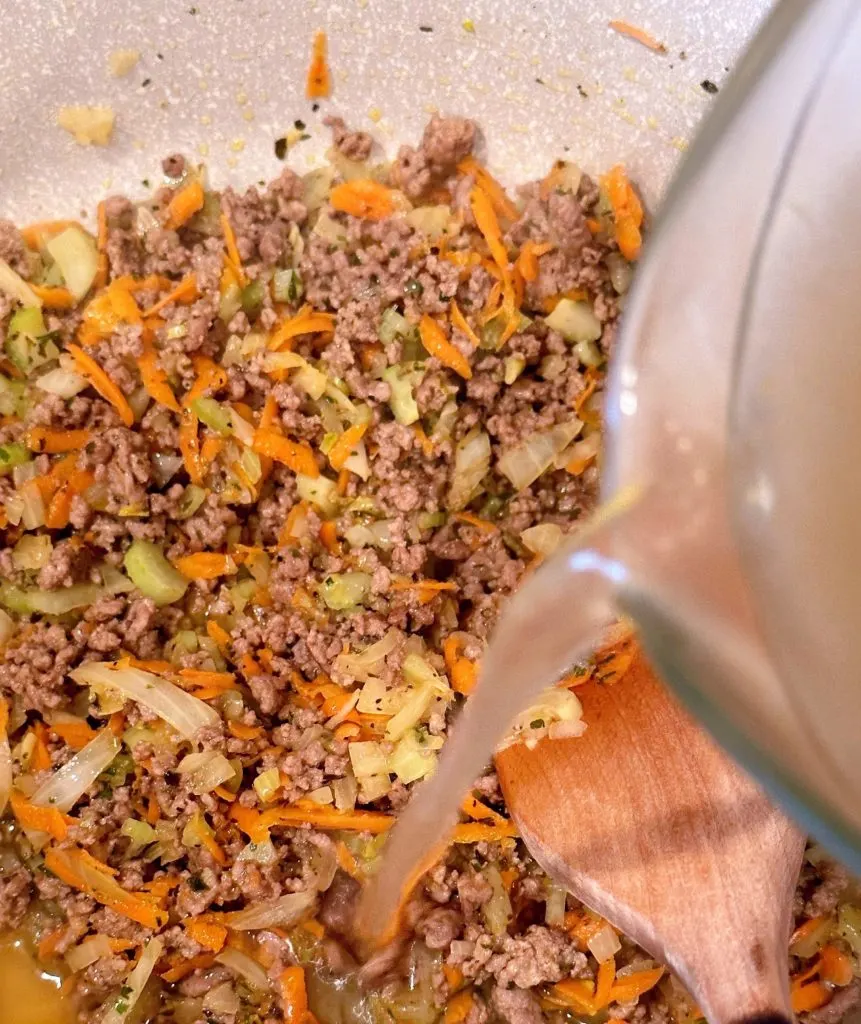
{"x":495,"y":192}
{"x":154,"y":377}
{"x":189,"y":446}
{"x":206,"y":933}
{"x":297,"y":456}
{"x":346,"y":444}
{"x":184,"y":292}
{"x":458,"y":1007}
{"x":76,"y":734}
{"x":39,"y":819}
{"x":835,"y":966}
{"x":627,"y":211}
{"x":185,"y":204}
{"x":220,"y":635}
{"x":244,"y":732}
{"x":232,"y":248}
{"x":206,"y":565}
{"x":319,"y":81}
{"x":55,"y":298}
{"x":56,"y":442}
{"x":459,"y":321}
{"x":101,"y":245}
{"x":89,"y":368}
{"x":41,"y":758}
{"x":437,"y":344}
{"x":364,"y":198}
{"x":294,"y":995}
{"x":639,"y":35}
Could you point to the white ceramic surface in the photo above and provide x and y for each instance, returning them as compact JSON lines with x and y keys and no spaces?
{"x":220,"y":80}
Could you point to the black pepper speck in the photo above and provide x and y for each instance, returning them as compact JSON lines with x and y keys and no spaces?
{"x":707,"y":85}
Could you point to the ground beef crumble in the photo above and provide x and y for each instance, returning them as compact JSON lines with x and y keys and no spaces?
{"x":197,"y":460}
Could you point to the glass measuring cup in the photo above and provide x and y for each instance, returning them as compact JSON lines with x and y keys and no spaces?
{"x":732,"y":413}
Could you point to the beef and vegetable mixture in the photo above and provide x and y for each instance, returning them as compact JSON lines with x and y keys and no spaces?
{"x":270,"y":463}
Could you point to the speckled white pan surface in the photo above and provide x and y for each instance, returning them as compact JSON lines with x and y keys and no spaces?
{"x":220,"y":80}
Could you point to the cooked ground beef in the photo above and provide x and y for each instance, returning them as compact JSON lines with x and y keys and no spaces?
{"x":277,"y":482}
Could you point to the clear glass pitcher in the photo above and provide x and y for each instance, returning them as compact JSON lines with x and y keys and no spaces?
{"x":734,"y":416}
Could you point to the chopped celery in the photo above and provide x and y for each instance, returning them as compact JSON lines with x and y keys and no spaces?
{"x":251,"y":298}
{"x":588,"y":353}
{"x":575,"y":321}
{"x":497,"y":910}
{"x":241,"y":594}
{"x":12,"y":395}
{"x":287,"y":286}
{"x":368,"y":757}
{"x":32,"y":551}
{"x":402,"y":402}
{"x":27,"y":320}
{"x":849,"y":926}
{"x":140,"y":833}
{"x":213,"y":414}
{"x":12,"y":455}
{"x":152,"y":574}
{"x":393,"y":325}
{"x":192,"y":499}
{"x":230,"y":302}
{"x":344,"y":590}
{"x":27,"y":344}
{"x":13,"y":285}
{"x":74,"y":251}
{"x":320,"y":491}
{"x":251,"y":465}
{"x":415,"y":755}
{"x":50,"y":602}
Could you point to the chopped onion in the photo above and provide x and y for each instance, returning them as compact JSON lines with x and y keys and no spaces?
{"x":140,"y":833}
{"x":342,"y":591}
{"x":471,"y":464}
{"x":554,"y":905}
{"x":33,"y":509}
{"x":426,"y":684}
{"x":69,"y":783}
{"x":358,"y":463}
{"x":330,"y":229}
{"x":497,"y":910}
{"x":153,"y":574}
{"x":32,"y":552}
{"x":5,"y":771}
{"x":115,"y":582}
{"x":524,"y":464}
{"x":402,"y":402}
{"x":316,"y":185}
{"x":320,"y":491}
{"x":322,"y":795}
{"x":13,"y":285}
{"x":581,"y":452}
{"x":323,"y":861}
{"x":165,"y":466}
{"x":604,"y":944}
{"x":64,"y":383}
{"x":542,"y":539}
{"x":204,"y":770}
{"x":340,"y":716}
{"x":429,"y":220}
{"x":75,"y":253}
{"x":361,"y":664}
{"x":186,"y":714}
{"x":88,"y":952}
{"x":413,"y":759}
{"x":260,"y":853}
{"x":367,"y":758}
{"x":345,"y":791}
{"x":575,"y":321}
{"x":221,"y":1000}
{"x":121,"y":1006}
{"x":309,"y":378}
{"x":281,"y":912}
{"x":267,"y":784}
{"x":50,"y":602}
{"x":242,"y":965}
{"x":556,"y":713}
{"x":621,"y":272}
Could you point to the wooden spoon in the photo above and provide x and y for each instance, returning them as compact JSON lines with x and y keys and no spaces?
{"x":647,"y":822}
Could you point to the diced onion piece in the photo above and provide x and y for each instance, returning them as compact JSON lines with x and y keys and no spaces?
{"x":241,"y":428}
{"x":322,"y":795}
{"x":15,"y":287}
{"x":267,"y":784}
{"x":575,"y":321}
{"x":554,"y":905}
{"x":556,"y":713}
{"x":514,"y":366}
{"x":61,"y":382}
{"x":320,"y":491}
{"x":368,"y":757}
{"x":260,"y":853}
{"x":244,"y":967}
{"x":604,"y":944}
{"x":316,"y":185}
{"x":393,"y":325}
{"x":75,"y":253}
{"x":412,"y":758}
{"x":221,"y":1001}
{"x":140,"y":833}
{"x":119,"y":1007}
{"x":374,"y":787}
{"x":312,"y":381}
{"x":33,"y":509}
{"x":497,"y":910}
{"x":621,"y":272}
{"x":342,"y":591}
{"x":582,"y":451}
{"x":331,"y":229}
{"x":287,"y":286}
{"x":205,"y":770}
{"x":282,"y":912}
{"x":524,"y":464}
{"x":91,"y":126}
{"x":153,"y":574}
{"x":588,"y":353}
{"x":184,"y":713}
{"x":429,"y":220}
{"x":360,"y":665}
{"x":88,"y":952}
{"x":345,"y":791}
{"x":426,"y":684}
{"x":165,"y":466}
{"x":32,"y":551}
{"x":542,"y":539}
{"x":471,"y":464}
{"x":69,"y":783}
{"x":5,"y":771}
{"x":357,"y":462}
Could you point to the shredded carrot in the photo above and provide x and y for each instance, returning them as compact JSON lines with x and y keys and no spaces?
{"x":185,"y":204}
{"x":244,"y":732}
{"x":224,"y":794}
{"x":201,"y":677}
{"x":181,"y":967}
{"x":189,"y":446}
{"x":318,"y":84}
{"x":206,"y":565}
{"x":632,"y":986}
{"x":527,"y":261}
{"x":55,"y":298}
{"x":248,"y":666}
{"x":835,"y":966}
{"x":476,"y":832}
{"x":209,"y":377}
{"x":306,"y":321}
{"x":220,"y":635}
{"x":40,"y":760}
{"x":627,"y":211}
{"x":437,"y":344}
{"x":346,"y":444}
{"x":364,"y":198}
{"x":101,"y":245}
{"x":76,"y":734}
{"x":232,"y":249}
{"x":297,"y":456}
{"x":55,"y":442}
{"x":459,"y":321}
{"x":313,"y":927}
{"x":810,"y":996}
{"x":347,"y":862}
{"x":638,"y":35}
{"x":89,"y":368}
{"x":206,"y":933}
{"x":478,"y":811}
{"x":480,"y":524}
{"x":49,"y":942}
{"x":458,"y":1007}
{"x":329,"y":537}
{"x":183,"y":293}
{"x":604,"y":981}
{"x":294,"y":995}
{"x":585,"y":394}
{"x":495,"y":192}
{"x":806,"y":928}
{"x":426,"y":444}
{"x":425,"y":589}
{"x":153,"y":811}
{"x":488,"y":225}
{"x":325,"y":818}
{"x":343,"y":482}
{"x":39,"y":819}
{"x":80,"y":870}
{"x":572,"y":993}
{"x":462,"y":672}
{"x":453,"y":976}
{"x":4,"y":715}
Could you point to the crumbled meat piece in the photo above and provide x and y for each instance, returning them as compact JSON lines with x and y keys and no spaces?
{"x":353,"y":145}
{"x":514,"y":1006}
